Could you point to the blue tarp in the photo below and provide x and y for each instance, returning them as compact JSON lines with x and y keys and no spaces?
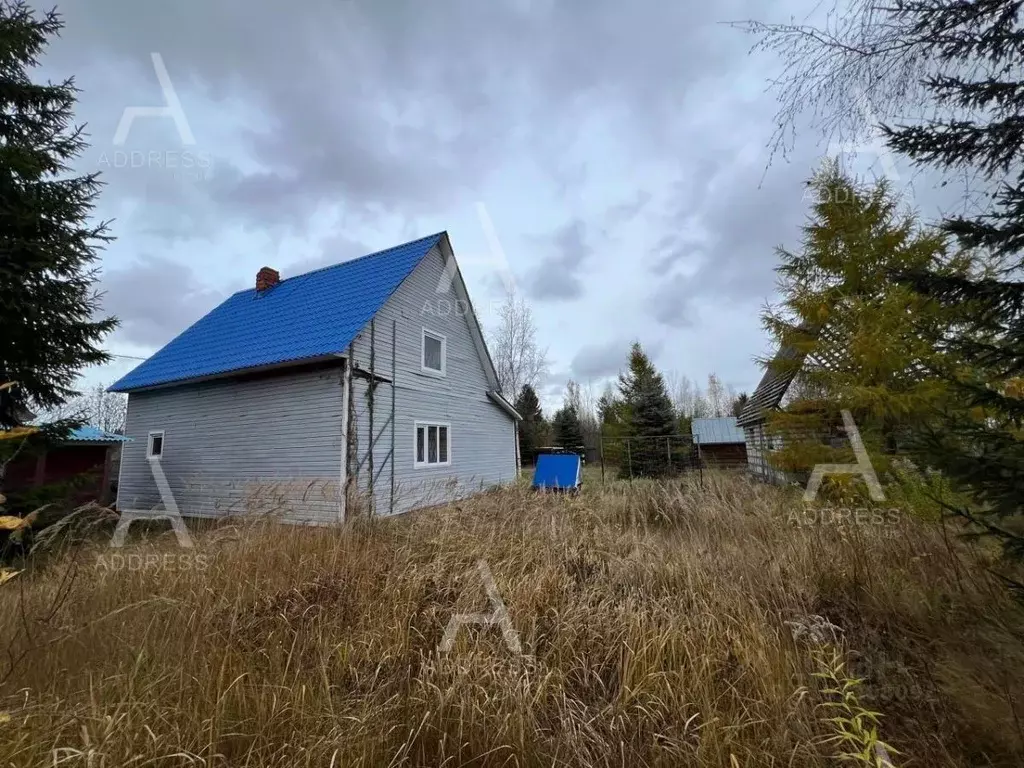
{"x":558,"y":470}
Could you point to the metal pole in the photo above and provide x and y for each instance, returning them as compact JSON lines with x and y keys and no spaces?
{"x":373,"y":388}
{"x":700,"y":462}
{"x":629,"y":461}
{"x":394,"y":335}
{"x":668,"y":450}
{"x":601,"y":444}
{"x":350,"y":432}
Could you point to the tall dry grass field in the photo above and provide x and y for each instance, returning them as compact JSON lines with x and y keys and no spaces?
{"x":660,"y":625}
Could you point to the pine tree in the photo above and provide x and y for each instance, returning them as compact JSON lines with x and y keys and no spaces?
{"x":48,"y":304}
{"x":533,"y":428}
{"x":978,"y":89}
{"x":649,"y":414}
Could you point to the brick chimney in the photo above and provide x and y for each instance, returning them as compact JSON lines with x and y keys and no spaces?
{"x":267,"y":278}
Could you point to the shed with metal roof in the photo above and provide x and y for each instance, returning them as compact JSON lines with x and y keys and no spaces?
{"x":720,"y":442}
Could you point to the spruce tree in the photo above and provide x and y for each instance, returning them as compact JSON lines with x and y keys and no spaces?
{"x":738,"y":404}
{"x":649,"y":414}
{"x":533,"y":427}
{"x":978,"y":129}
{"x":48,"y":305}
{"x":567,"y":429}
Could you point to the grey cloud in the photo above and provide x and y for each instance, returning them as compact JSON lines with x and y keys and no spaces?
{"x":155,"y":299}
{"x":724,"y":233}
{"x":359,"y":105}
{"x":677,"y":247}
{"x":557,"y":276}
{"x":333,"y":250}
{"x":748,"y":222}
{"x":628,"y":210}
{"x":670,"y":303}
{"x":598,"y":360}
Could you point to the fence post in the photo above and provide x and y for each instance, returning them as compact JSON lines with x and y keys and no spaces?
{"x":601,"y":444}
{"x":629,"y":461}
{"x":700,"y":462}
{"x":668,"y":450}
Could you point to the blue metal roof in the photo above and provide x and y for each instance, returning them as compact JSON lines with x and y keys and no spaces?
{"x":721,"y":430}
{"x":302,"y":317}
{"x":88,"y":434}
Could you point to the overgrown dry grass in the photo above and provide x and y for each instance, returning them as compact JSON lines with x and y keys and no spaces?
{"x":654,"y":619}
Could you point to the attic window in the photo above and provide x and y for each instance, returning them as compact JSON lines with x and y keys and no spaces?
{"x":433,"y":353}
{"x":155,"y":448}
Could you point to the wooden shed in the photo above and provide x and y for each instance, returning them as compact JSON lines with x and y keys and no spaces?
{"x":85,"y":459}
{"x":720,"y":442}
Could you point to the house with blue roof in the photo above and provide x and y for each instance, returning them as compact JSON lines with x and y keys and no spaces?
{"x":365,"y":386}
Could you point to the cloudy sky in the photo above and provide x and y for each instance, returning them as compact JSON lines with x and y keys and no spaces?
{"x":618,"y":149}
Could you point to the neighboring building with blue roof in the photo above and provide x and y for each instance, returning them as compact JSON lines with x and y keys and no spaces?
{"x":723,"y":429}
{"x":77,"y":469}
{"x":89,"y":434}
{"x":364,"y":383}
{"x":720,"y":442}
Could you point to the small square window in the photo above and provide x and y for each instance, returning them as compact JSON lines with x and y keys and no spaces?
{"x":433,"y":357}
{"x":155,"y":449}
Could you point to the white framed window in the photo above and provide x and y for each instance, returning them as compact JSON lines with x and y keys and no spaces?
{"x":155,"y":445}
{"x":433,"y":353}
{"x":433,"y":444}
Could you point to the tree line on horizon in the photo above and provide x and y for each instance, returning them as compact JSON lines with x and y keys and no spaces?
{"x":644,"y":404}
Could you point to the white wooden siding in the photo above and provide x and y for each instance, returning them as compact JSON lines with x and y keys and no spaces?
{"x":266,"y":445}
{"x":759,"y":447}
{"x":483,"y":448}
{"x":274,"y":444}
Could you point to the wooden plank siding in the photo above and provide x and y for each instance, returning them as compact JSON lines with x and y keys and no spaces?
{"x":483,"y":443}
{"x":272,"y":443}
{"x":268,"y":444}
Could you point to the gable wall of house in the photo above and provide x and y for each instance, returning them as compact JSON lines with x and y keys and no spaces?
{"x":759,"y":445}
{"x":482,"y":435}
{"x":265,"y":445}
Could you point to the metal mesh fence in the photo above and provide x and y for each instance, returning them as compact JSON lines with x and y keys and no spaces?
{"x":629,"y":458}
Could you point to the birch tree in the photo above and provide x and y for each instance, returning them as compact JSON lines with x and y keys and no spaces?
{"x":518,"y":358}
